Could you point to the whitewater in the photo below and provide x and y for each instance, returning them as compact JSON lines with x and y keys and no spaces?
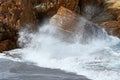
{"x":97,"y":60}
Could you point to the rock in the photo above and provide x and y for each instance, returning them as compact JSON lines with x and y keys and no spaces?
{"x":116,"y":13}
{"x":112,"y":27}
{"x":7,"y":45}
{"x":103,"y":17}
{"x":109,"y":18}
{"x":91,"y":8}
{"x":18,"y":13}
{"x":113,"y":4}
{"x":50,"y":7}
{"x":13,"y":15}
{"x":65,"y":22}
{"x":118,"y":18}
{"x":110,"y":12}
{"x":1,"y":27}
{"x":2,"y":30}
{"x":69,"y":26}
{"x":28,"y":14}
{"x":65,"y":19}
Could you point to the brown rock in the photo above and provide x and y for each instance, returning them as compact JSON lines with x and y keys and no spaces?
{"x":112,"y":27}
{"x":28,"y":13}
{"x":118,"y":18}
{"x":65,"y":22}
{"x":7,"y":45}
{"x":118,"y":15}
{"x":13,"y":15}
{"x":110,"y":12}
{"x":113,"y":4}
{"x":91,"y":8}
{"x":50,"y":7}
{"x":103,"y":17}
{"x":65,"y":19}
{"x":17,"y":13}
{"x":68,"y":25}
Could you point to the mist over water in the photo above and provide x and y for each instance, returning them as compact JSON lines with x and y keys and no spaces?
{"x":97,"y":60}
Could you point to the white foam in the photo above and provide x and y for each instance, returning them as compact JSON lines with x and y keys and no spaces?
{"x":96,"y":60}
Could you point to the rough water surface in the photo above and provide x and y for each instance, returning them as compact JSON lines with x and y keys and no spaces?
{"x":97,"y":60}
{"x":12,"y":70}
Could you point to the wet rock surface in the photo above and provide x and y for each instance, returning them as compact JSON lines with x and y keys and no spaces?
{"x":91,"y":8}
{"x":50,"y":7}
{"x":112,"y":27}
{"x":7,"y":45}
{"x":65,"y":19}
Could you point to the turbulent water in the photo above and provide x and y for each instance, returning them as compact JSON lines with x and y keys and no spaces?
{"x":97,"y":60}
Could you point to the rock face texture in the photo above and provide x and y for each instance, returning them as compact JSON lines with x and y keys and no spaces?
{"x":9,"y":16}
{"x":50,"y":7}
{"x":11,"y":12}
{"x":65,"y":19}
{"x":28,"y":13}
{"x":112,"y":27}
{"x":14,"y":15}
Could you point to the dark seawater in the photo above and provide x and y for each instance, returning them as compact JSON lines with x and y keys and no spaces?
{"x":12,"y":70}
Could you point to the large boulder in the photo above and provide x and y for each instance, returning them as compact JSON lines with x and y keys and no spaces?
{"x":65,"y":19}
{"x":71,"y":27}
{"x":64,"y":22}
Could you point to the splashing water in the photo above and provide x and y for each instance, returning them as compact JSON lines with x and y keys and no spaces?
{"x":98,"y":60}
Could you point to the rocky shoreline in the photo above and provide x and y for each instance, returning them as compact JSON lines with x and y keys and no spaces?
{"x":15,"y":14}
